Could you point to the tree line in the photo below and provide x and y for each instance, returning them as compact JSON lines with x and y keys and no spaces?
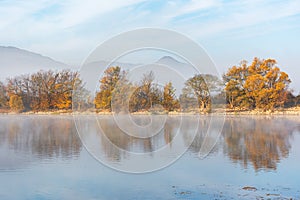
{"x":258,"y":85}
{"x":41,"y":91}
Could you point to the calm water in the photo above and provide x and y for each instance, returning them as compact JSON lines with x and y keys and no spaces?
{"x":41,"y":157}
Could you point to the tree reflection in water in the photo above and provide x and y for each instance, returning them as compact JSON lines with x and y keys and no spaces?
{"x":123,"y":141}
{"x":261,"y":141}
{"x":257,"y":141}
{"x":44,"y":137}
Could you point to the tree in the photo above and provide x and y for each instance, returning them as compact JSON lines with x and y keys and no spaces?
{"x":201,"y":87}
{"x":44,"y":90}
{"x":234,"y":85}
{"x":107,"y":84}
{"x":3,"y":96}
{"x":64,"y":82}
{"x":16,"y":103}
{"x":260,"y":85}
{"x":81,"y":97}
{"x":121,"y":95}
{"x":146,"y":94}
{"x":297,"y":100}
{"x":170,"y":103}
{"x":187,"y":99}
{"x":20,"y":86}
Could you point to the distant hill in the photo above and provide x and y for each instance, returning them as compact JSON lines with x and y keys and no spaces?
{"x":184,"y":69}
{"x":15,"y":61}
{"x":165,"y":69}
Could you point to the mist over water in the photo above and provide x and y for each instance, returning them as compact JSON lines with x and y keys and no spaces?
{"x":43,"y":157}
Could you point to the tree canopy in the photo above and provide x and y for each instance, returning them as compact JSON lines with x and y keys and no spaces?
{"x":259,"y":85}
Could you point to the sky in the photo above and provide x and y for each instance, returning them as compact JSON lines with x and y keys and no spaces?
{"x":229,"y":31}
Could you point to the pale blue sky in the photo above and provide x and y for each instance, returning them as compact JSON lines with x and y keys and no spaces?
{"x":229,"y":30}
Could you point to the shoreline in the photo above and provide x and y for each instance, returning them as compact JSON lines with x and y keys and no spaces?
{"x":216,"y":112}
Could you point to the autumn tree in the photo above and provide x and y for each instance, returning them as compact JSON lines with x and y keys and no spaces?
{"x":260,"y":85}
{"x":43,"y":87}
{"x":201,"y":87}
{"x":297,"y":100}
{"x":44,"y":90}
{"x":16,"y":103}
{"x":107,"y":84}
{"x":146,"y":94}
{"x":64,"y":81}
{"x":121,"y":95}
{"x":170,"y":103}
{"x":187,"y":99}
{"x":3,"y":96}
{"x":20,"y":86}
{"x":291,"y":99}
{"x":234,"y":85}
{"x":81,"y":97}
{"x":52,"y":90}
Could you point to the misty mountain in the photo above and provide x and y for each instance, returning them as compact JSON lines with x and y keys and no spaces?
{"x":184,"y":69}
{"x":165,"y":69}
{"x":15,"y":61}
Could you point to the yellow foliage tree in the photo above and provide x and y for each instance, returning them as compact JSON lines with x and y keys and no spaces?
{"x":170,"y":103}
{"x":260,"y":85}
{"x":107,"y":84}
{"x":16,"y":103}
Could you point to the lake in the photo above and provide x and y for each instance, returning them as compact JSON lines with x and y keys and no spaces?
{"x":42,"y":157}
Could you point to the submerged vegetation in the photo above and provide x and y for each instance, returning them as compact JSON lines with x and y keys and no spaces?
{"x":259,"y":85}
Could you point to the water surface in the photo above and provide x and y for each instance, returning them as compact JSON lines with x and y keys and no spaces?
{"x":42,"y":157}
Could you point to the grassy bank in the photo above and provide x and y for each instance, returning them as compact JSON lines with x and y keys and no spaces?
{"x":219,"y":111}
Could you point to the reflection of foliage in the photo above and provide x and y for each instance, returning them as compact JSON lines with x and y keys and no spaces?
{"x":262,"y":143}
{"x":203,"y":125}
{"x":45,"y":137}
{"x":134,"y":144}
